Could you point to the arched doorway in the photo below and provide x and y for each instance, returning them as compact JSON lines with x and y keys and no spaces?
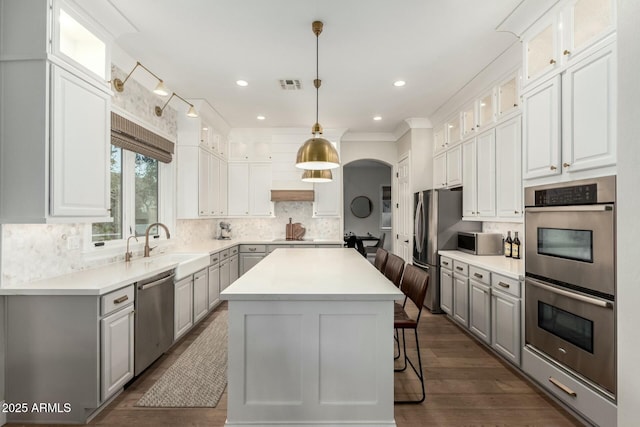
{"x":367,"y":199}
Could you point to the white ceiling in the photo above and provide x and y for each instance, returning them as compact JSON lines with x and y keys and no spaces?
{"x":201,"y":47}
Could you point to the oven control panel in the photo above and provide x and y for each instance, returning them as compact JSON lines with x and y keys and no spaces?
{"x":574,"y":195}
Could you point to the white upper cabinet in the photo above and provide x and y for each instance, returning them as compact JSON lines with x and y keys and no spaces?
{"x":469,"y":179}
{"x":327,"y":196}
{"x":586,"y":22}
{"x":250,"y":150}
{"x":486,"y":110}
{"x":440,"y":171}
{"x":541,"y":130}
{"x":54,"y":137}
{"x":486,"y":170}
{"x":541,"y":49}
{"x":439,"y":139}
{"x":469,"y":120}
{"x":453,"y":132}
{"x":508,"y":96}
{"x":249,"y":189}
{"x":447,"y":169}
{"x":509,"y":169}
{"x":567,"y":33}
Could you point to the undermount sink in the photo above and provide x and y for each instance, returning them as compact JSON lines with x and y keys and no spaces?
{"x":188,"y":263}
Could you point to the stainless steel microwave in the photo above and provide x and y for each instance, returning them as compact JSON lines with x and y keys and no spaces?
{"x":480,"y":243}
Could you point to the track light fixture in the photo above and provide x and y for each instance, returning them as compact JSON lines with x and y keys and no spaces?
{"x":190,"y":113}
{"x":160,"y":89}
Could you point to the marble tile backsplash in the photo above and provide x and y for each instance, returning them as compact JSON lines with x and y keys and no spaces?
{"x":190,"y":231}
{"x":33,"y":252}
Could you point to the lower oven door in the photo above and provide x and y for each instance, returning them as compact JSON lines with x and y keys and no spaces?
{"x":575,"y":329}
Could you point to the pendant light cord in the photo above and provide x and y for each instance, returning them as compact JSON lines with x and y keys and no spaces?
{"x":317,"y":77}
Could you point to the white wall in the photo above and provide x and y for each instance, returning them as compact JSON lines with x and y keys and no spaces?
{"x":384,"y":151}
{"x":628,"y":279}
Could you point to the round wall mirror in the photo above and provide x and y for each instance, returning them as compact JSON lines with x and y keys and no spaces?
{"x":361,"y":206}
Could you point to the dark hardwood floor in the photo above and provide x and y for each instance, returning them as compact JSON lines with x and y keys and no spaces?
{"x":466,"y":386}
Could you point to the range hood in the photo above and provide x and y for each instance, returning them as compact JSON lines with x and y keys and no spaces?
{"x":292,"y":196}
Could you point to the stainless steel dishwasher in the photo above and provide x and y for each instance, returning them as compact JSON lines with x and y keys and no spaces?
{"x":154,"y":319}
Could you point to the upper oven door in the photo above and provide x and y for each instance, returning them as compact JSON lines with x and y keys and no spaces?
{"x":572,"y":244}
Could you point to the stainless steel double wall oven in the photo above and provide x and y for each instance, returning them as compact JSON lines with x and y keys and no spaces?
{"x":570,"y":263}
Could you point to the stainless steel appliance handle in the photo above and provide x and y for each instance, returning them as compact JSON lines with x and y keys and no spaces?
{"x":575,"y":208}
{"x":590,"y":300}
{"x":156,"y":283}
{"x":417,"y":226}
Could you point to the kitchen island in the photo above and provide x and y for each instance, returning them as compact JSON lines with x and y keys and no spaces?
{"x":310,"y":341}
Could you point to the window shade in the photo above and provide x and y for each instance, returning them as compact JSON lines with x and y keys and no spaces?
{"x":133,"y":137}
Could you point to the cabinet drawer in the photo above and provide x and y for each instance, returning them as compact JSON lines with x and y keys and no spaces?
{"x":116,"y":299}
{"x":253,"y":248}
{"x":446,"y":262}
{"x":460,"y":267}
{"x":214,"y":258}
{"x":233,"y":251}
{"x":224,"y":254}
{"x":480,"y":275}
{"x":506,"y":284}
{"x":569,"y":390}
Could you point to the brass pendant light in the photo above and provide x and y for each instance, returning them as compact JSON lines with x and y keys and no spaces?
{"x":317,"y":153}
{"x":323,"y":175}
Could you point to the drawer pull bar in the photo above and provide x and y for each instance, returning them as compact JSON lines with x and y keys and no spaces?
{"x":445,"y":263}
{"x":459,"y":268}
{"x":504,"y":285}
{"x":121,"y":299}
{"x":252,"y":249}
{"x":478,"y":275}
{"x":563,"y":387}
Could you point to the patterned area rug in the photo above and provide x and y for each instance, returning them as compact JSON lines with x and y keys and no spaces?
{"x":199,"y":376}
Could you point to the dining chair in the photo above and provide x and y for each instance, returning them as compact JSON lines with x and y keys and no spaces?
{"x":415,"y":282}
{"x":381,"y":259}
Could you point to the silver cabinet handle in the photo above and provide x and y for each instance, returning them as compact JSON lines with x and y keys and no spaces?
{"x":121,"y":299}
{"x":563,"y":387}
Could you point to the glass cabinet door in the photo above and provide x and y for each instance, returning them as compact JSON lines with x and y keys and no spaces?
{"x":588,"y":20}
{"x":453,"y":130}
{"x":507,"y":96}
{"x":486,"y":110}
{"x":541,"y":50}
{"x":469,"y":120}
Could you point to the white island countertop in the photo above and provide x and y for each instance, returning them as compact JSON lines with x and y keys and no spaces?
{"x":313,"y":274}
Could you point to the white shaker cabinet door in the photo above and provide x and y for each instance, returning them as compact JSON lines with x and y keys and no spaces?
{"x":589,"y":112}
{"x":446,"y":291}
{"x":204,"y":182}
{"x":260,"y":189}
{"x":440,"y":171}
{"x":200,"y":295}
{"x":509,"y":169}
{"x":541,"y":130}
{"x":183,"y":307}
{"x":461,"y":300}
{"x":469,"y":179}
{"x":505,"y":326}
{"x":327,"y":196}
{"x":486,"y":172}
{"x":238,"y":189}
{"x":454,"y":167}
{"x":480,"y":310}
{"x":80,"y":149}
{"x":214,"y":285}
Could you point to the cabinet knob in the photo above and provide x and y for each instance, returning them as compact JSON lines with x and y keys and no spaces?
{"x":552,"y":167}
{"x":516,"y":212}
{"x":515,"y":105}
{"x":566,"y":52}
{"x":552,"y":61}
{"x":566,"y":165}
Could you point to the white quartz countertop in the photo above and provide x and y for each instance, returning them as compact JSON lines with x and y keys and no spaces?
{"x":513,"y":268}
{"x":104,"y":279}
{"x":313,"y":274}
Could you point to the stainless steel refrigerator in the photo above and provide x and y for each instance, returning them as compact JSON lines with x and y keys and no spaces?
{"x":437,"y":220}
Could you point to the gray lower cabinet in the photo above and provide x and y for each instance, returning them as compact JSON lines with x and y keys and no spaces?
{"x":505,"y":325}
{"x":183,"y":307}
{"x":72,"y":351}
{"x":214,"y":285}
{"x":446,"y":286}
{"x":225,"y":274}
{"x":461,"y":293}
{"x":480,"y":310}
{"x":200,"y":294}
{"x":234,"y":268}
{"x":250,"y":255}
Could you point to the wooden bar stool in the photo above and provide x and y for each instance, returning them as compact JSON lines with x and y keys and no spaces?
{"x":414,"y":285}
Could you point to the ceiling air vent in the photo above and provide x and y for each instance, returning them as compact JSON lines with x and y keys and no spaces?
{"x":290,"y":84}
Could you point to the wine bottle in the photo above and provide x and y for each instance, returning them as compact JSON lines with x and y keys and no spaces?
{"x":515,"y":247}
{"x":508,"y":243}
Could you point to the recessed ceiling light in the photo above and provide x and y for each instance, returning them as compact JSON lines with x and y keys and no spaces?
{"x":242,"y":83}
{"x":399,"y":83}
{"x":261,"y":117}
{"x":377,"y":118}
